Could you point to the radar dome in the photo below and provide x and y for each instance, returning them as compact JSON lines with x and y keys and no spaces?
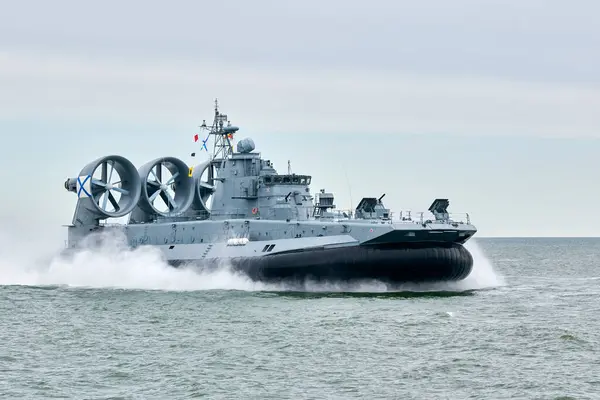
{"x":245,"y":145}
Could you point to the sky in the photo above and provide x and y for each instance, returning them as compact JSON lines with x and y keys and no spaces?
{"x":492,"y":104}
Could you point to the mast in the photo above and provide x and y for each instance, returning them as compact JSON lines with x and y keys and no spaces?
{"x":222,"y":143}
{"x":222,"y":132}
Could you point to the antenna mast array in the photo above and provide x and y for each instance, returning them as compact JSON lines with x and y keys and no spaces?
{"x":223,"y":134}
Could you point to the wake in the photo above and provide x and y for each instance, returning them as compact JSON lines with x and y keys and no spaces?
{"x":114,"y":265}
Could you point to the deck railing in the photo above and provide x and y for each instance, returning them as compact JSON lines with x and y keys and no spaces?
{"x":403,"y":216}
{"x":427,"y":217}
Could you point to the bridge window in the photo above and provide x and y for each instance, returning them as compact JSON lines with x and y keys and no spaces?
{"x":287,"y":180}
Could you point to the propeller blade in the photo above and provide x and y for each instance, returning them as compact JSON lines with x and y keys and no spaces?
{"x":206,"y":185}
{"x":98,"y":183}
{"x":121,"y":190}
{"x":105,"y":199}
{"x":171,"y":201}
{"x":159,"y":172}
{"x":165,"y":198}
{"x":104,"y":172}
{"x":156,"y":180}
{"x":153,"y":196}
{"x":172,"y":179}
{"x":97,"y":190}
{"x":113,"y":201}
{"x":112,"y":168}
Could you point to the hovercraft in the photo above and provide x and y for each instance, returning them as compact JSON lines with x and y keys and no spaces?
{"x":235,"y":210}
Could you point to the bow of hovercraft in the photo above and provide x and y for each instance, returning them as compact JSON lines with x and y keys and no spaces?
{"x":423,"y":250}
{"x":402,"y":251}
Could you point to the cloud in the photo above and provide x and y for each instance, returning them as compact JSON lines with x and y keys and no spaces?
{"x":288,"y":100}
{"x":541,"y":40}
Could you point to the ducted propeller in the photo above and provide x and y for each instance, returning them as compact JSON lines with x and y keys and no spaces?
{"x":167,"y":190}
{"x":108,"y":187}
{"x":204,"y":183}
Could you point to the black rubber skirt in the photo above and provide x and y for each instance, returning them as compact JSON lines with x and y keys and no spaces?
{"x":392,"y":264}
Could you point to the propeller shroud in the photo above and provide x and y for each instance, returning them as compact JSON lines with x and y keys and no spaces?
{"x":204,"y":187}
{"x":166,"y":187}
{"x":114,"y":187}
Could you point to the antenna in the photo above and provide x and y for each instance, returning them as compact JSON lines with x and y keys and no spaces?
{"x":223,"y":135}
{"x":289,"y":167}
{"x":349,"y":190}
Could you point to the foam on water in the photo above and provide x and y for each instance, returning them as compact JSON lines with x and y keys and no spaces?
{"x":113,"y":265}
{"x":110,"y":265}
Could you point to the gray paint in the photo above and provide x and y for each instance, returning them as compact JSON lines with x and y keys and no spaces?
{"x":250,"y":200}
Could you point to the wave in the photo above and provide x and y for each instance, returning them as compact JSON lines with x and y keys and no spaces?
{"x":113,"y":265}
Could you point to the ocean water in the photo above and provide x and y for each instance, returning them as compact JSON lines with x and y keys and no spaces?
{"x":119,"y":324}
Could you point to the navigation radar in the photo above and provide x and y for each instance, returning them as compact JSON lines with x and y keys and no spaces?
{"x":245,"y":145}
